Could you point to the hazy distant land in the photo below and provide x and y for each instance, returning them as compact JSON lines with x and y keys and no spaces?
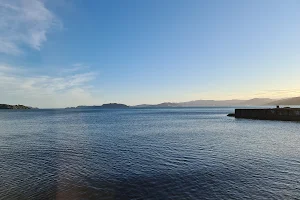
{"x":196,"y":103}
{"x":289,"y":101}
{"x":208,"y":103}
{"x":234,"y":102}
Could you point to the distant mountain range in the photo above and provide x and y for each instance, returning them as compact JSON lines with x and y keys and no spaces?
{"x":197,"y":103}
{"x":289,"y":101}
{"x":206,"y":103}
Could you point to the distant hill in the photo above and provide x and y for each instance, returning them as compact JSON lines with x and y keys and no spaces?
{"x":257,"y":102}
{"x":166,"y":104}
{"x":204,"y":103}
{"x":16,"y":107}
{"x":196,"y":103}
{"x":109,"y":105}
{"x":210,"y":103}
{"x":290,"y":101}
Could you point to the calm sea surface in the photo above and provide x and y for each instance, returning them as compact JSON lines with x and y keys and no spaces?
{"x":186,"y":153}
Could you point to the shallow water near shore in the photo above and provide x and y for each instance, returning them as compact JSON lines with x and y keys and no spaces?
{"x":170,"y":153}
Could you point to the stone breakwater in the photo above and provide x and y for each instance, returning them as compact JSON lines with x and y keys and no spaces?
{"x":282,"y":114}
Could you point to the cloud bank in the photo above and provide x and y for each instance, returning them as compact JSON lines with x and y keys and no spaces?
{"x":20,"y":86}
{"x":24,"y":23}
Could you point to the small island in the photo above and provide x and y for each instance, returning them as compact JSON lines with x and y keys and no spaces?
{"x":14,"y":107}
{"x":114,"y":105}
{"x":109,"y":105}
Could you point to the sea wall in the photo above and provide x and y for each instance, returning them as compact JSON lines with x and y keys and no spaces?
{"x":283,"y":114}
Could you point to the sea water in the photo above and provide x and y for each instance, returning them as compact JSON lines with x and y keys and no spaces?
{"x":168,"y":153}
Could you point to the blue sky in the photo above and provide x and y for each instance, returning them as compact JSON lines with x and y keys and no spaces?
{"x":66,"y":53}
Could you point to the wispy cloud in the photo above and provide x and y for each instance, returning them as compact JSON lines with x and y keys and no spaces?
{"x":24,"y":22}
{"x":75,"y":68}
{"x":44,"y":90}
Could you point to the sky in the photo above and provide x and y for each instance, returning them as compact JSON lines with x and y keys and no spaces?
{"x":59,"y":53}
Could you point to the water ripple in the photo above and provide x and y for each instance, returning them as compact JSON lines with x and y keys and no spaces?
{"x":146,"y":154}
